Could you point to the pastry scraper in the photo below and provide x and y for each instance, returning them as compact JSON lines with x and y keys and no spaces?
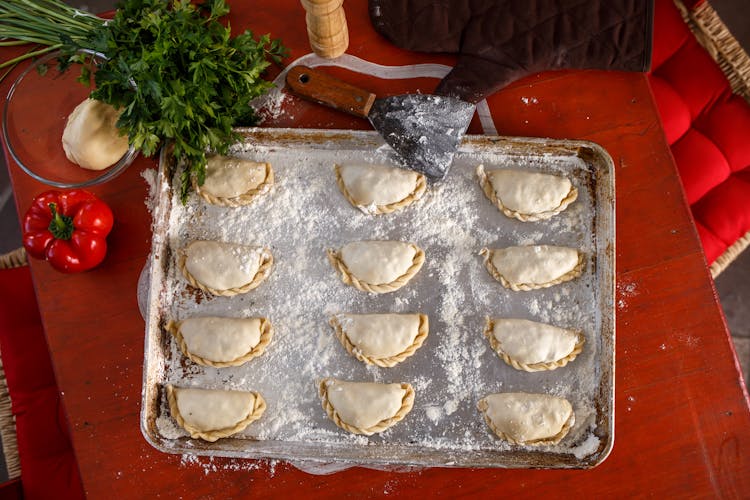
{"x":425,"y":130}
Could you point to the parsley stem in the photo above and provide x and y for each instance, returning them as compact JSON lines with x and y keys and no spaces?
{"x":44,"y":19}
{"x":28,"y":55}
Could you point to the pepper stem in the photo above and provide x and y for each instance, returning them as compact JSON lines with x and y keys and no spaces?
{"x":61,"y":226}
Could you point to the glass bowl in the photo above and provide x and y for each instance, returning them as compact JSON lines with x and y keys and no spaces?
{"x":34,"y":117}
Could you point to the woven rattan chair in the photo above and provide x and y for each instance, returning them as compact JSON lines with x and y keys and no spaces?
{"x":16,"y":258}
{"x":711,"y":32}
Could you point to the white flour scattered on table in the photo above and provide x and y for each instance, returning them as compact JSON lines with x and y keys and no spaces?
{"x":208,"y":464}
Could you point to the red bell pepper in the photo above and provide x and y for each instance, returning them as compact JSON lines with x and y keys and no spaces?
{"x":69,"y":229}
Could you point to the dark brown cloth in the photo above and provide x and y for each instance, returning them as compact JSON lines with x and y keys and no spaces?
{"x":499,"y":41}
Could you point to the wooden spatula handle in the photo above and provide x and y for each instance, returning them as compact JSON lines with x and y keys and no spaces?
{"x":322,"y":88}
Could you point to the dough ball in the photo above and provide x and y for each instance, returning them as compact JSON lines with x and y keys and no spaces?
{"x":91,"y":139}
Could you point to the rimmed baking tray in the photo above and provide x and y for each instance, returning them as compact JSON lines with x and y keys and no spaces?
{"x":302,"y":216}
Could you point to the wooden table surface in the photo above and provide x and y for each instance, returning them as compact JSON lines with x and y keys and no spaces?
{"x":682,"y":419}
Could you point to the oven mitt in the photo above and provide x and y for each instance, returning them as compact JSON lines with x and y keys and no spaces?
{"x":499,"y":41}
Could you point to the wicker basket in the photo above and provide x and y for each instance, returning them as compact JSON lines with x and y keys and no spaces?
{"x":16,"y":258}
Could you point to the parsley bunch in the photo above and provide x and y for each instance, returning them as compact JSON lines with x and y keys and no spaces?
{"x":177,"y":74}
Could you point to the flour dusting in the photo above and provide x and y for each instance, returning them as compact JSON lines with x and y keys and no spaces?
{"x":208,"y":464}
{"x":149,"y":175}
{"x":587,"y":447}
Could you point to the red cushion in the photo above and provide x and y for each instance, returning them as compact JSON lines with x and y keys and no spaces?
{"x":675,"y":115}
{"x":695,"y":76}
{"x":670,"y":33}
{"x":725,"y":210}
{"x":727,"y":124}
{"x":707,"y":127}
{"x":712,"y":245}
{"x":48,"y":465}
{"x":701,"y":164}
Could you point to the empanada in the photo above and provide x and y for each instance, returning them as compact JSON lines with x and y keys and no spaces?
{"x":526,"y":196}
{"x":365,"y":407}
{"x":381,"y":339}
{"x":531,"y":346}
{"x":379,"y":189}
{"x":530,"y":419}
{"x":377,"y":266}
{"x":221,"y":342}
{"x":214,"y":414}
{"x":224,"y":268}
{"x":534,"y":266}
{"x":233,"y":182}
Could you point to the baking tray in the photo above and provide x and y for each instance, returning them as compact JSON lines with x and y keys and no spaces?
{"x":302,"y":216}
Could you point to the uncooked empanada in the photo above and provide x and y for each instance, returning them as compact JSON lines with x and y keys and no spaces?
{"x":377,"y":266}
{"x":233,"y":182}
{"x":527,"y":196}
{"x":531,"y":419}
{"x":379,"y":189}
{"x":534,"y":266}
{"x":214,"y":414}
{"x":365,"y":407}
{"x":225,"y":268}
{"x":221,"y":342}
{"x":531,"y":346}
{"x":381,"y":339}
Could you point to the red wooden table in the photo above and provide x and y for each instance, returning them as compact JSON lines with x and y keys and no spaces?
{"x":682,"y":419}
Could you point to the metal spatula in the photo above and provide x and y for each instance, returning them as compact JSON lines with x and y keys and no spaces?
{"x":425,"y":130}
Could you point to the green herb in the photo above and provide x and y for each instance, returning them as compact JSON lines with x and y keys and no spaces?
{"x":41,"y":22}
{"x":177,"y":74}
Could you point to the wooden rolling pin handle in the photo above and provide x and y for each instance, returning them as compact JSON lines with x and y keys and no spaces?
{"x":322,"y":88}
{"x":326,"y":27}
{"x":321,"y":7}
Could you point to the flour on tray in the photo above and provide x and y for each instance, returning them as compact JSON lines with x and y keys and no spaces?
{"x":302,"y":216}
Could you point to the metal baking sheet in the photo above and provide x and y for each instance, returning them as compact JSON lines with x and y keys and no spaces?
{"x":302,"y":216}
